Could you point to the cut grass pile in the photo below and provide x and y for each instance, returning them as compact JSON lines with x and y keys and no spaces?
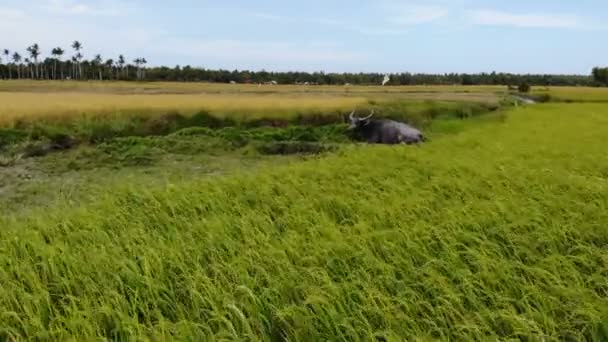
{"x":498,"y":231}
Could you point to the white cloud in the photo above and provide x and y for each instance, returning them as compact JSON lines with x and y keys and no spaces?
{"x":159,"y":46}
{"x":416,"y":14}
{"x":338,"y":24}
{"x":361,"y":29}
{"x":259,"y":54}
{"x":52,"y":31}
{"x":271,"y":17}
{"x":262,"y":50}
{"x":11,"y":14}
{"x":388,"y":18}
{"x":499,"y":18}
{"x":78,"y":7}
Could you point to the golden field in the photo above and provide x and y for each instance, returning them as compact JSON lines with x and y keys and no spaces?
{"x":33,"y":100}
{"x":122,"y":87}
{"x":30,"y":106}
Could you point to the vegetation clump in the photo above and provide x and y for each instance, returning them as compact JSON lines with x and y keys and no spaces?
{"x":524,"y":88}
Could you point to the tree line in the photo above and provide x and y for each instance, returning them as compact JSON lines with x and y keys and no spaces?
{"x":600,"y":75}
{"x":56,"y":65}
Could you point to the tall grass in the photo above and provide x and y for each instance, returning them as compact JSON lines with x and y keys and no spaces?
{"x":68,"y":106}
{"x":101,"y":123}
{"x":499,"y":231}
{"x":27,"y":100}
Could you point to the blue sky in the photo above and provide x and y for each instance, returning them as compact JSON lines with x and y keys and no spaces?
{"x":540,"y":36}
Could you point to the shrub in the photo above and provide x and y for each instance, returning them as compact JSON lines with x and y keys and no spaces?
{"x":9,"y":136}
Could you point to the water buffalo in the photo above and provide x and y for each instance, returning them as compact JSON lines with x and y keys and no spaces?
{"x":384,"y":131}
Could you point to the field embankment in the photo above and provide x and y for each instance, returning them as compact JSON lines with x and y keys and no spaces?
{"x":499,"y":231}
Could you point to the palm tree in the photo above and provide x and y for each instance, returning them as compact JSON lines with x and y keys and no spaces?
{"x":143,"y":62}
{"x":74,"y":64}
{"x":97,"y":62}
{"x":17,"y":61}
{"x":57,"y":53}
{"x":76,"y":45}
{"x":29,"y":66}
{"x":79,"y":57}
{"x":8,"y":62}
{"x":34,"y":51}
{"x":121,"y":63}
{"x":137,"y":62}
{"x":109,"y":64}
{"x":140,"y":63}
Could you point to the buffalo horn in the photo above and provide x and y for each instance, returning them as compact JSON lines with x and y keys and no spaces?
{"x":369,"y":116}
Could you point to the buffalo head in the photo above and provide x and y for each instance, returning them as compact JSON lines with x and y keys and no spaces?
{"x":356,"y":122}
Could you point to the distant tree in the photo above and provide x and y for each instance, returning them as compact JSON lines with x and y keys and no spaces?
{"x":467,"y":80}
{"x":137,"y":62}
{"x":74,"y":62}
{"x":57,"y":53}
{"x":17,"y":62}
{"x":7,"y":54}
{"x":600,"y":75}
{"x":97,"y":62}
{"x":109,"y":64}
{"x":121,"y":63}
{"x":77,"y":46}
{"x":524,"y":87}
{"x":34,"y":51}
{"x":143,"y":63}
{"x":140,"y":64}
{"x":28,"y":62}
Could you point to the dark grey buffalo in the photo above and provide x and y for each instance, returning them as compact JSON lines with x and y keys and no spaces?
{"x":384,"y":131}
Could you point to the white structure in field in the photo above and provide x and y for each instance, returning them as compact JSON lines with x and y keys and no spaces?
{"x":386,"y":79}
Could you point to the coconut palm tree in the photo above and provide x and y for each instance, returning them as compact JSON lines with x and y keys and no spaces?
{"x":8,"y":62}
{"x":137,"y":62}
{"x":29,"y":66}
{"x":17,"y":62}
{"x":121,"y":63}
{"x":74,"y":64}
{"x":34,"y":51}
{"x":79,"y":58}
{"x":109,"y":64}
{"x":143,"y":63}
{"x":140,"y":63}
{"x":77,"y":46}
{"x":97,"y":63}
{"x":57,"y":53}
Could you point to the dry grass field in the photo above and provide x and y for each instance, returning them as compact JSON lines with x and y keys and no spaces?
{"x":27,"y":100}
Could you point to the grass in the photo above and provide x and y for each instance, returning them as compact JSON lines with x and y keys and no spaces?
{"x":67,"y":128}
{"x":32,"y":101}
{"x":44,"y":163}
{"x":495,"y":231}
{"x":68,"y":106}
{"x":57,"y":137}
